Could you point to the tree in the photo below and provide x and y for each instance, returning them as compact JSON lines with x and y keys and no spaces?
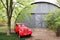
{"x":58,"y":30}
{"x":58,"y":2}
{"x":13,"y":6}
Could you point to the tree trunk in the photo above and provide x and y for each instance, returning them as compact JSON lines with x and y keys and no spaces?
{"x":9,"y":26}
{"x":9,"y":15}
{"x":58,"y":32}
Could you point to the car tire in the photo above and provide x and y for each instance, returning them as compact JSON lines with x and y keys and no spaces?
{"x":17,"y":33}
{"x":29,"y":34}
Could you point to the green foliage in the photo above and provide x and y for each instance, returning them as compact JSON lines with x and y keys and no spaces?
{"x":24,"y":14}
{"x":53,"y":20}
{"x":24,"y":2}
{"x":19,"y":7}
{"x":58,"y":2}
{"x":3,"y":19}
{"x":22,"y":8}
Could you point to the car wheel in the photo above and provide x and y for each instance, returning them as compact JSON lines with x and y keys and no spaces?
{"x":29,"y":34}
{"x":17,"y":33}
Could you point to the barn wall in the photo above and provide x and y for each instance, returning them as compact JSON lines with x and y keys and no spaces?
{"x":43,"y":8}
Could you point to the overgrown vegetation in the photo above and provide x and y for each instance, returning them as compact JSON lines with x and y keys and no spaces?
{"x":53,"y":21}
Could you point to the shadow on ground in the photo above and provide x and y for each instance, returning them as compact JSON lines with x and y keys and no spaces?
{"x":27,"y":37}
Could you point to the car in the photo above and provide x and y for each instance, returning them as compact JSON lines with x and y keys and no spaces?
{"x":22,"y":30}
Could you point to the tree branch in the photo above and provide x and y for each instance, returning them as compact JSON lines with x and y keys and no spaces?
{"x":3,"y":4}
{"x":20,"y":3}
{"x":7,"y":8}
{"x":14,"y":6}
{"x":11,"y":9}
{"x":20,"y":12}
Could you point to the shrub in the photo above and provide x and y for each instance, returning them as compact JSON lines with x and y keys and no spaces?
{"x":50,"y":20}
{"x":53,"y":21}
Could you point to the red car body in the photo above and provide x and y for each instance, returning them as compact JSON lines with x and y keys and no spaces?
{"x":22,"y":30}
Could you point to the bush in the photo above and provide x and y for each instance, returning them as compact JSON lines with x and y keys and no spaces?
{"x":50,"y":20}
{"x":53,"y":21}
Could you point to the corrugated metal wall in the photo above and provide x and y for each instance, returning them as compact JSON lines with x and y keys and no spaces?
{"x":43,"y":8}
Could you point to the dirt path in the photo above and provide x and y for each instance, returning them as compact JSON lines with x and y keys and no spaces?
{"x":42,"y":34}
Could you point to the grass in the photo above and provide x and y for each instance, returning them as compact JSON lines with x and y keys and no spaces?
{"x":13,"y":36}
{"x":5,"y":27}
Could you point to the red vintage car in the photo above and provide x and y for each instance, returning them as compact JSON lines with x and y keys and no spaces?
{"x":22,"y":30}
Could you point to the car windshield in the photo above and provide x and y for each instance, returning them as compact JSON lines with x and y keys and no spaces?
{"x":21,"y":25}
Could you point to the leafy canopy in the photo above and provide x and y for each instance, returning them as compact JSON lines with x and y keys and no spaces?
{"x":19,"y":7}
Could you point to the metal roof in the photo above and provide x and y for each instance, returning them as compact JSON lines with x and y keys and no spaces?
{"x":45,"y":2}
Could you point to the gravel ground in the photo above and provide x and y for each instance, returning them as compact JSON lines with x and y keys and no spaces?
{"x":42,"y":34}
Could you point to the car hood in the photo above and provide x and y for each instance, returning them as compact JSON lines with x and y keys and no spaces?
{"x":24,"y":27}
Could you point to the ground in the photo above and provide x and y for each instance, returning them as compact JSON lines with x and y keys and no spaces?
{"x":38,"y":34}
{"x":42,"y":34}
